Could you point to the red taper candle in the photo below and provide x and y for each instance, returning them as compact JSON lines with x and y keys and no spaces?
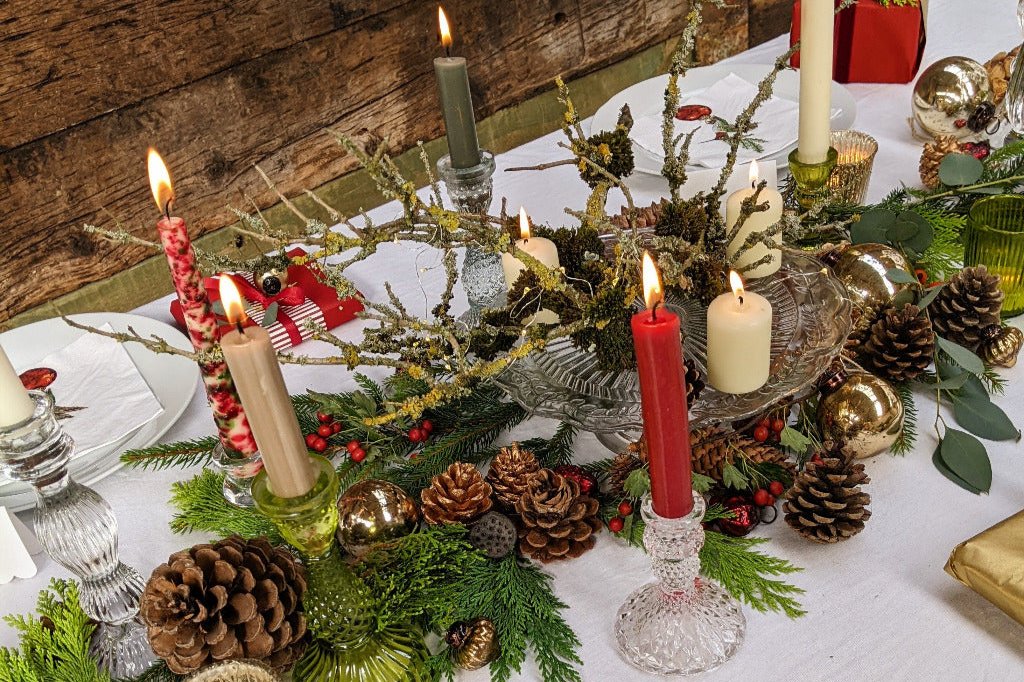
{"x":659,"y":364}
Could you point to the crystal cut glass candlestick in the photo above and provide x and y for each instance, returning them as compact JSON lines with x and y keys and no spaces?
{"x":682,"y":624}
{"x":239,"y":471}
{"x":78,"y":530}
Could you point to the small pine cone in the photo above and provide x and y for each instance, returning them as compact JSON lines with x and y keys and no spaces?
{"x":968,"y":304}
{"x":999,"y":68}
{"x":1001,"y":345}
{"x":864,"y":317}
{"x":459,"y":495}
{"x":826,"y":503}
{"x":648,"y":216}
{"x":556,"y":520}
{"x":510,"y":472}
{"x":232,"y":599}
{"x":621,"y":467}
{"x":712,"y":448}
{"x":900,"y":345}
{"x":639,"y":450}
{"x":932,"y":156}
{"x":694,"y":382}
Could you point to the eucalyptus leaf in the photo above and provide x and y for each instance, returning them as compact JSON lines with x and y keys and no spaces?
{"x":903,"y":297}
{"x":945,"y":471}
{"x":922,"y":237}
{"x":872,"y":226}
{"x":966,"y":457}
{"x":929,"y":296}
{"x":983,"y":418}
{"x":951,"y":384}
{"x":270,"y":315}
{"x":961,"y":356}
{"x":974,"y":387}
{"x":900,"y":276}
{"x":902,"y":231}
{"x":960,"y":169}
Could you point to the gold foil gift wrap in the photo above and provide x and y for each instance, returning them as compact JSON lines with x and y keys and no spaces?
{"x":992,"y":564}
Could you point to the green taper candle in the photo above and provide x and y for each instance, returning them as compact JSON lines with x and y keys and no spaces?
{"x":456,"y":102}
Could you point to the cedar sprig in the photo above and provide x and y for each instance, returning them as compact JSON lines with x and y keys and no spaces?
{"x":746,"y":574}
{"x":183,"y":454}
{"x":201,"y":507}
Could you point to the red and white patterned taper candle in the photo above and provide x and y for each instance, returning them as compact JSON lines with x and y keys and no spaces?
{"x":200,"y":319}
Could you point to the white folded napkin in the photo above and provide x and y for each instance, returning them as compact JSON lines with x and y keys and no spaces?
{"x":19,"y":545}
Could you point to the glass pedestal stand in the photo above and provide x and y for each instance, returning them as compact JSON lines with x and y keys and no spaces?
{"x":682,"y":624}
{"x":339,"y":607}
{"x":79,"y":531}
{"x":239,"y":472}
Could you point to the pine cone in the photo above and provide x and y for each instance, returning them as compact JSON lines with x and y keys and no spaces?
{"x":621,"y":467}
{"x":826,"y":503}
{"x":932,"y":156}
{"x":712,"y":448}
{"x":232,"y":599}
{"x":556,"y":521}
{"x":969,"y":303}
{"x":648,"y":216}
{"x":694,"y":382}
{"x":900,"y":345}
{"x":1001,"y":345}
{"x":864,"y":317}
{"x":999,"y":68}
{"x":510,"y":472}
{"x":459,"y":495}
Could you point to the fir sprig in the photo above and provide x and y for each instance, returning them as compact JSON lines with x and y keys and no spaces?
{"x":183,"y":454}
{"x":908,"y":435}
{"x":558,"y":450}
{"x":202,"y":507}
{"x":744,"y":573}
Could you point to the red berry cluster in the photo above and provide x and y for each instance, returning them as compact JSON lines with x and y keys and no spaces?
{"x":617,"y":523}
{"x":420,"y":434}
{"x":769,"y":430}
{"x":766,"y":498}
{"x":317,"y":441}
{"x":355,"y":451}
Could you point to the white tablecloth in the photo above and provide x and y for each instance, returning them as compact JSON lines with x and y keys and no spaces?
{"x":879,"y":606}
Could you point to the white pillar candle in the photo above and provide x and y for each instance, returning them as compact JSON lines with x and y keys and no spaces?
{"x":544,"y":250}
{"x":16,"y":404}
{"x":817,"y":22}
{"x":758,"y":221}
{"x":739,"y":340}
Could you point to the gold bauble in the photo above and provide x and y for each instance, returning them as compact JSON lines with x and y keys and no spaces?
{"x":1001,"y":345}
{"x":373,"y":511}
{"x":949,"y":91}
{"x":863,"y":412}
{"x":474,"y":643}
{"x":862,"y":269}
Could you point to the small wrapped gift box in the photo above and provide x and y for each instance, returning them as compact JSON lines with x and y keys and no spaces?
{"x":873,"y":43}
{"x":992,"y":564}
{"x":305,"y":298}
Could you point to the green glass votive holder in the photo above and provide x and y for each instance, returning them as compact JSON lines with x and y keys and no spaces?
{"x":307,"y":522}
{"x":812,"y":178}
{"x":994,"y":237}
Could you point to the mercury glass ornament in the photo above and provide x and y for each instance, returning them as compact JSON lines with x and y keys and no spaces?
{"x":1013,"y":103}
{"x":947,"y":95}
{"x":861,"y":411}
{"x":474,"y":643}
{"x":373,"y":511}
{"x":862,"y":269}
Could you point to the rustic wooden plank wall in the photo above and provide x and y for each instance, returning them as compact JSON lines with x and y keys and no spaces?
{"x":86,"y":86}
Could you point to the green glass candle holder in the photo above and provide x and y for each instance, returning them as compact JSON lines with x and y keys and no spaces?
{"x":347,"y":646}
{"x":994,"y":237}
{"x":812,"y":178}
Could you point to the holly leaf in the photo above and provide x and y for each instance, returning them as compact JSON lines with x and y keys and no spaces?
{"x":961,"y":356}
{"x":793,"y":440}
{"x":983,"y":418}
{"x":929,"y":296}
{"x":638,"y":483}
{"x":270,"y":315}
{"x":872,"y":226}
{"x":948,"y":473}
{"x":900,"y":276}
{"x":702,"y":483}
{"x":734,"y":478}
{"x":966,"y":457}
{"x":960,"y":169}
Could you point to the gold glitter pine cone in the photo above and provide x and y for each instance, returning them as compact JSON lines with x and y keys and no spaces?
{"x":932,"y":156}
{"x":968,"y":304}
{"x":232,"y":599}
{"x":1001,"y":345}
{"x":556,"y":520}
{"x":459,"y":495}
{"x":900,"y":345}
{"x":999,"y":68}
{"x":510,"y":473}
{"x":712,"y":449}
{"x":826,"y":503}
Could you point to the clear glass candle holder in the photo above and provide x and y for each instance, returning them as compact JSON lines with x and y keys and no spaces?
{"x":681,"y":624}
{"x":994,"y":237}
{"x":239,"y":472}
{"x":855,"y":158}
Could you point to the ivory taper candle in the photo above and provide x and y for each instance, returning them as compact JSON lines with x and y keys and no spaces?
{"x":456,"y":102}
{"x":817,"y":25}
{"x":739,"y":339}
{"x":252,"y":359}
{"x":759,"y":221}
{"x":15,"y":403}
{"x":544,"y":250}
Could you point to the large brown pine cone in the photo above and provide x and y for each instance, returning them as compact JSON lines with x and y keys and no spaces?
{"x":826,"y":503}
{"x":968,"y":304}
{"x":556,"y":520}
{"x":459,"y":495}
{"x":648,"y":216}
{"x":233,"y":599}
{"x":932,"y":156}
{"x":900,"y":345}
{"x":510,"y":472}
{"x":712,"y":448}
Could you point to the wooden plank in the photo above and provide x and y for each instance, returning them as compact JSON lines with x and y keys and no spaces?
{"x":768,"y":19}
{"x":724,"y":32}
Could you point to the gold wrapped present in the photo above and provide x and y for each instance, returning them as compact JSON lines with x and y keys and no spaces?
{"x":992,"y":564}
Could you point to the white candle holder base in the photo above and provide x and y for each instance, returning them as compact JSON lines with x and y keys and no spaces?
{"x":683,"y":624}
{"x":239,"y":471}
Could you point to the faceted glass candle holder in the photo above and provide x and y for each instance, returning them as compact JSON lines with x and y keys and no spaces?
{"x":812,"y":178}
{"x":994,"y":237}
{"x":855,"y":153}
{"x":239,"y":472}
{"x":681,"y":624}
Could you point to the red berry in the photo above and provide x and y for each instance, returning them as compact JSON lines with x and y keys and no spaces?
{"x":761,"y":497}
{"x":324,"y":418}
{"x":336,"y":427}
{"x":427,"y":426}
{"x":776,"y":488}
{"x":357,"y":455}
{"x":325,"y":431}
{"x":320,"y":445}
{"x":817,"y":458}
{"x":616,"y":524}
{"x":416,"y":435}
{"x":352,"y":445}
{"x":761,"y":434}
{"x":625,"y":508}
{"x":778,"y":425}
{"x":311,"y":439}
{"x":771,"y":501}
{"x":960,"y":122}
{"x":765,"y":422}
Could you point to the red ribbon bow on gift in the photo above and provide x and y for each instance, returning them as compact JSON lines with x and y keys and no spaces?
{"x":290,"y":295}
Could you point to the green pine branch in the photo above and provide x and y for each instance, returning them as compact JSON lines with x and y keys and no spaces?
{"x":745,"y":573}
{"x":202,"y":507}
{"x":558,"y":450}
{"x":908,"y":436}
{"x":183,"y":454}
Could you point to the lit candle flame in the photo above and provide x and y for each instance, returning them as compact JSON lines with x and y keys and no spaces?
{"x":755,"y":173}
{"x":232,"y":301}
{"x":524,"y":224}
{"x":737,"y":285}
{"x":159,"y":181}
{"x":446,"y":32}
{"x":653,"y":293}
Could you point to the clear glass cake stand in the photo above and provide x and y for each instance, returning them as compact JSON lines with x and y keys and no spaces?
{"x":810,"y":323}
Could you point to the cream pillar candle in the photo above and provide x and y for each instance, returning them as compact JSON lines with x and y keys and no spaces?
{"x":739,"y":340}
{"x":16,"y":404}
{"x":544,"y":250}
{"x":253,"y":363}
{"x":817,"y":23}
{"x":759,"y":221}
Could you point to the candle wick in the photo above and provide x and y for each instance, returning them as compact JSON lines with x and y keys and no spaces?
{"x":654,"y":311}
{"x":167,"y":209}
{"x":741,"y":300}
{"x":239,"y":327}
{"x":448,"y":51}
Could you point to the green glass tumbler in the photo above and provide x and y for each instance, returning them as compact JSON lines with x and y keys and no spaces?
{"x":995,"y":238}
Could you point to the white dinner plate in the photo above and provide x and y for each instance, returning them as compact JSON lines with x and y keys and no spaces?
{"x":172,"y":379}
{"x":648,"y":97}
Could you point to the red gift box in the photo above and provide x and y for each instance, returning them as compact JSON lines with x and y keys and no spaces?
{"x":320,"y":304}
{"x":873,"y":43}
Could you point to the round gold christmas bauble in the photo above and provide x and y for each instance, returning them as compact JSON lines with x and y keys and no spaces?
{"x":474,"y":643}
{"x":271,"y":281}
{"x":946,"y":95}
{"x":862,"y":411}
{"x":373,"y":511}
{"x":862,"y":269}
{"x":1001,"y":345}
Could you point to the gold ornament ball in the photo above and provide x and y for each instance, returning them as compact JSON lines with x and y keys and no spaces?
{"x":1001,"y":345}
{"x":864,"y":413}
{"x":271,"y":281}
{"x":373,"y":511}
{"x":474,"y":643}
{"x":862,"y":269}
{"x":947,"y":91}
